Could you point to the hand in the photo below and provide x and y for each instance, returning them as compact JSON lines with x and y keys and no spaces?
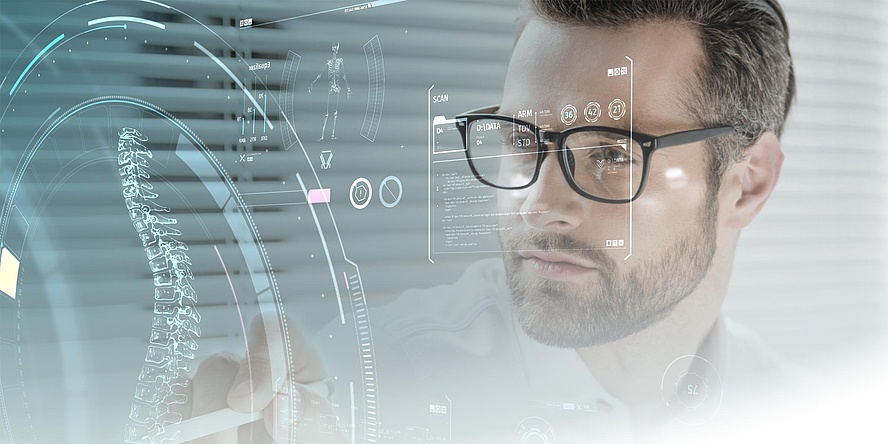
{"x":309,"y":89}
{"x":348,"y":94}
{"x":260,"y":382}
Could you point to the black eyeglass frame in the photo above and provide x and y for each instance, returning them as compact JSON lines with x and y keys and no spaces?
{"x":648,"y":144}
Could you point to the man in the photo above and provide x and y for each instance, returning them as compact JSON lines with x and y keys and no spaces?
{"x":636,"y":341}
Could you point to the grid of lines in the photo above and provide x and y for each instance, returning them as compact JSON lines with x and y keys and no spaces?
{"x":376,"y":88}
{"x":288,"y":88}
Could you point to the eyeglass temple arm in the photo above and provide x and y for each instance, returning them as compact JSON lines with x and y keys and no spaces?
{"x":491,"y":109}
{"x":692,"y":136}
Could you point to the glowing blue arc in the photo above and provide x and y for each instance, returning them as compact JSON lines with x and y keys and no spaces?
{"x":45,"y":49}
{"x":33,"y":61}
{"x":123,"y":18}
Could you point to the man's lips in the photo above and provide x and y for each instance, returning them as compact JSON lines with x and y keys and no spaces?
{"x":556,"y":266}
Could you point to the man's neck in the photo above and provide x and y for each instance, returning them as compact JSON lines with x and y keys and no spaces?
{"x":631,"y":369}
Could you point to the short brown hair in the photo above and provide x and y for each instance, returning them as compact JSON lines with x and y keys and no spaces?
{"x":747,"y":78}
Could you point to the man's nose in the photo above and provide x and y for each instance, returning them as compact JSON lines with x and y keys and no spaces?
{"x":550,"y":203}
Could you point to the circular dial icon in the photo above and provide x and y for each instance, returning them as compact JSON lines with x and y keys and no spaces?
{"x":360,"y":193}
{"x":592,"y":112}
{"x":691,"y":389}
{"x":568,"y":115}
{"x":617,"y":109}
{"x":534,"y":430}
{"x":390,"y":191}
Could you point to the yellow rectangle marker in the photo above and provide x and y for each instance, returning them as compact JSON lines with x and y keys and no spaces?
{"x":9,"y":270}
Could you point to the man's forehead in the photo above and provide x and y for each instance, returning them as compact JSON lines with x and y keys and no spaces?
{"x":604,"y":42}
{"x":556,"y":65}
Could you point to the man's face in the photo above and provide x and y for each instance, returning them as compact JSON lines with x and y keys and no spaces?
{"x":568,"y":291}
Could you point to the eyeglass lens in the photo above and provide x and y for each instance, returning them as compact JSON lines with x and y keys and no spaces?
{"x":603,"y":164}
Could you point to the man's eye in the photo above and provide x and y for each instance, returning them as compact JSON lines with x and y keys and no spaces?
{"x":611,"y":156}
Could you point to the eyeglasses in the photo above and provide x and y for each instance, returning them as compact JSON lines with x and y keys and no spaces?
{"x":608,"y":165}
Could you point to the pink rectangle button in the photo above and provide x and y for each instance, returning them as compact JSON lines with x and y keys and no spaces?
{"x":321,"y":195}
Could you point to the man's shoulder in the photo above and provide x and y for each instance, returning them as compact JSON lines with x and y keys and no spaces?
{"x":444,"y":333}
{"x":746,"y":352}
{"x":470,"y":317}
{"x":752,"y":362}
{"x":455,"y":339}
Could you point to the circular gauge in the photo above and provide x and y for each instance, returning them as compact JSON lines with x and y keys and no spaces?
{"x":390,"y":191}
{"x":360,"y":193}
{"x":534,"y":430}
{"x":691,"y":389}
{"x":592,"y":112}
{"x":617,"y":109}
{"x":568,"y":115}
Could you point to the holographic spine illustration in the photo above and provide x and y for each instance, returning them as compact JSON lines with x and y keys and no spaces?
{"x":175,"y":323}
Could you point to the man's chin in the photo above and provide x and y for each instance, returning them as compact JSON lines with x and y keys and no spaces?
{"x":560,"y":333}
{"x":565,"y":315}
{"x":550,"y":313}
{"x":567,"y":329}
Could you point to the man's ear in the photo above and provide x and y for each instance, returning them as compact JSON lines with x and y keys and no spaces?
{"x":751,"y":181}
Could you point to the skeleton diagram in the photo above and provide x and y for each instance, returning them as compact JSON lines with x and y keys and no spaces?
{"x":334,"y":69}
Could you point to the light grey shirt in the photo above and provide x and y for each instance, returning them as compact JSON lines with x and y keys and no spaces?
{"x":453,"y":362}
